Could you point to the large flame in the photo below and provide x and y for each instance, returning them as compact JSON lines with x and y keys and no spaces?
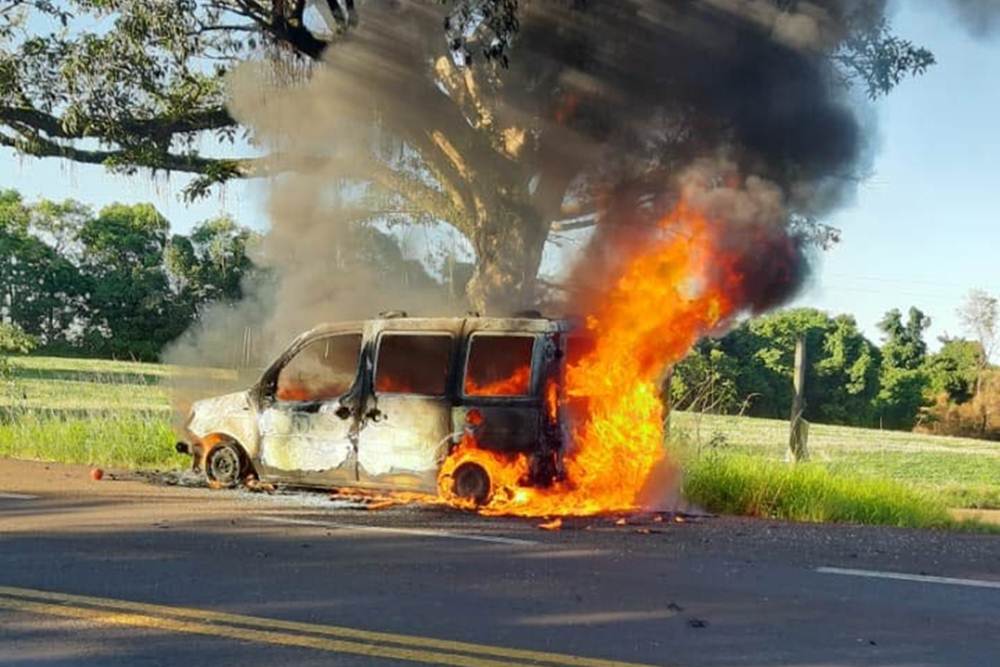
{"x":667,"y":294}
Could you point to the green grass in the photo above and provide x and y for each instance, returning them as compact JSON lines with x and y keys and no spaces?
{"x":93,"y":411}
{"x":133,"y":439}
{"x":755,"y":486}
{"x":963,"y":471}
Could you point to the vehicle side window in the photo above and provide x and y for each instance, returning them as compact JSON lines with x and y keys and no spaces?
{"x":413,"y":364}
{"x":499,"y":366}
{"x":322,"y":370}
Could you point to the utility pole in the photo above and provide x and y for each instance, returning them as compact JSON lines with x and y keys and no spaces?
{"x":799,"y":427}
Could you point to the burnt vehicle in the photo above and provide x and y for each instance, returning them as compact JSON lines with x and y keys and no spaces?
{"x":380,"y":403}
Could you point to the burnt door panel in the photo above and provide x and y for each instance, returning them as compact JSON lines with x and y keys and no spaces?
{"x":307,"y":432}
{"x":499,"y":380}
{"x":402,"y":443}
{"x":306,"y":442}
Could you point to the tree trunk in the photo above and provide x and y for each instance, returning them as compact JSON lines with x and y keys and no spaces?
{"x":508,"y":242}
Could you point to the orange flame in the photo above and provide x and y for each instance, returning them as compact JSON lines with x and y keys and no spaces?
{"x":517,"y":384}
{"x":667,"y":295}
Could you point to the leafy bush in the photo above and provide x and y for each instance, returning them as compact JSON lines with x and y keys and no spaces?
{"x":15,"y":341}
{"x":12,"y":341}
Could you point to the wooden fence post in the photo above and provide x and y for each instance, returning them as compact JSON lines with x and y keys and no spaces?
{"x":799,"y":427}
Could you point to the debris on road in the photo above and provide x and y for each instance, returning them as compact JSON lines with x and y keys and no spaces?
{"x":554,"y":524}
{"x":377,"y":500}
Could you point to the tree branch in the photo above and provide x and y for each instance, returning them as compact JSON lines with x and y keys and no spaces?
{"x":159,"y":127}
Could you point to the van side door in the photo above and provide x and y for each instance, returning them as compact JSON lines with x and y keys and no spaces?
{"x":307,"y":424}
{"x":499,"y":380}
{"x":407,"y":431}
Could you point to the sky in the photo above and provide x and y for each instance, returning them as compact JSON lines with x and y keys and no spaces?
{"x":923,"y":231}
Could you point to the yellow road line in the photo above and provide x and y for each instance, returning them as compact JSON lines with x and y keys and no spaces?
{"x":247,"y":634}
{"x":263,"y":630}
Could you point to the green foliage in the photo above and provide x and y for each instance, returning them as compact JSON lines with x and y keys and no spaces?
{"x":903,"y":379}
{"x":706,"y":381}
{"x":904,"y":346}
{"x":954,"y":368}
{"x":130,"y":302}
{"x":14,"y":341}
{"x":874,"y":56}
{"x":133,"y":85}
{"x":750,"y":369}
{"x":112,"y":284}
{"x":39,"y":287}
{"x":212,"y":262}
{"x":900,"y":397}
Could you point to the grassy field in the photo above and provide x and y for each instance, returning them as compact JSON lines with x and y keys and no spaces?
{"x":119,"y":413}
{"x":100,"y":412}
{"x":965,"y":471}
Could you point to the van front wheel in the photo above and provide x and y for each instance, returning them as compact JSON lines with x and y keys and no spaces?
{"x":225,"y":464}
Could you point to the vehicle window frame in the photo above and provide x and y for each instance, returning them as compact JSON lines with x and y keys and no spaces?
{"x":500,"y":334}
{"x":271,"y":386}
{"x":377,"y":357}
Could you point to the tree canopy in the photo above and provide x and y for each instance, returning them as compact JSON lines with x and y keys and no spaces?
{"x":104,"y":284}
{"x":505,"y":120}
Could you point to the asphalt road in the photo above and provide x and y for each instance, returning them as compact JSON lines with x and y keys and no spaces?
{"x":130,"y":573}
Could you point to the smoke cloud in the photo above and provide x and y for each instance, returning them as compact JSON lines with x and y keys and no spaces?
{"x":619,"y":110}
{"x":980,"y":17}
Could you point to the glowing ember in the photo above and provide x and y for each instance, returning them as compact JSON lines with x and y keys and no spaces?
{"x":669,"y":293}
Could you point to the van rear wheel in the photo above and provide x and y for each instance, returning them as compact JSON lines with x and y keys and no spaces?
{"x":472,"y":482}
{"x":225,"y":465}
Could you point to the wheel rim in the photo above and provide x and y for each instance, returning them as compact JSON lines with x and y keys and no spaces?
{"x":224,"y":465}
{"x":472,"y":482}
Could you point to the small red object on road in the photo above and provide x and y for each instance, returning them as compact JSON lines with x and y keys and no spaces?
{"x":96,"y":474}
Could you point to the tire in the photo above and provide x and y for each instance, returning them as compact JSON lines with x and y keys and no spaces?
{"x":226,"y":465}
{"x":472,"y":482}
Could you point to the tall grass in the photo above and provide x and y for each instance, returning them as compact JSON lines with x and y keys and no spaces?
{"x":133,"y":439}
{"x":732,"y":483}
{"x":964,"y":471}
{"x":87,"y":411}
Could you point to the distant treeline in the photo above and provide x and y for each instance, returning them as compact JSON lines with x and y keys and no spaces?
{"x":849,"y":379}
{"x":115,"y":283}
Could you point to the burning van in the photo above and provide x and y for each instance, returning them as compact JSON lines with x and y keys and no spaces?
{"x":381,"y":403}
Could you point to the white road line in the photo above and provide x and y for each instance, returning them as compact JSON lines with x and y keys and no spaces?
{"x":17,"y":496}
{"x":419,"y":532}
{"x":923,"y":578}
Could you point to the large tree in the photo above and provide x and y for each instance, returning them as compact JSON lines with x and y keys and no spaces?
{"x":41,"y":290}
{"x":503,"y":120}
